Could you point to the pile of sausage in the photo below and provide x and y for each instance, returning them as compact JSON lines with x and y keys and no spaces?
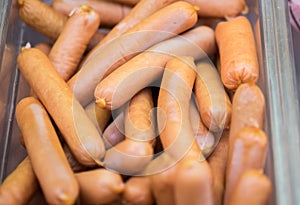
{"x":140,"y":102}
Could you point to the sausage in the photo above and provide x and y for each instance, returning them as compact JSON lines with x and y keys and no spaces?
{"x":140,"y":134}
{"x":128,"y":157}
{"x":45,"y":152}
{"x":99,"y":186}
{"x":204,"y":138}
{"x":253,"y":188}
{"x":79,"y":132}
{"x":138,"y":191}
{"x":139,"y":118}
{"x":220,"y":8}
{"x":115,"y":132}
{"x":42,"y":17}
{"x":168,"y":21}
{"x":248,"y":151}
{"x":163,"y":186}
{"x":218,"y":161}
{"x":141,"y":11}
{"x":212,"y":99}
{"x":20,"y":185}
{"x":111,"y":13}
{"x":173,"y":102}
{"x":69,"y":47}
{"x":177,"y":136}
{"x":100,"y":117}
{"x":193,"y":183}
{"x":239,"y":64}
{"x":248,"y":107}
{"x":123,"y":83}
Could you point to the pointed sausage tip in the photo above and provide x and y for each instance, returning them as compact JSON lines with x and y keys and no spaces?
{"x":101,"y":102}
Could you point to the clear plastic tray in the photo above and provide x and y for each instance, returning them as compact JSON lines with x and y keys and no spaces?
{"x":278,"y":81}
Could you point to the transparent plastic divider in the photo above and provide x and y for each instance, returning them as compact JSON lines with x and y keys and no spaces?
{"x":282,"y":99}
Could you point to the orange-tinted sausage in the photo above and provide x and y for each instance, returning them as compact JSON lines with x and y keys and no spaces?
{"x":46,"y":153}
{"x":239,"y":64}
{"x":99,"y":186}
{"x":212,"y":99}
{"x":72,"y":42}
{"x":20,"y":185}
{"x":248,"y":151}
{"x":42,"y":17}
{"x":166,"y":22}
{"x":123,"y":83}
{"x":77,"y":129}
{"x":138,"y":191}
{"x":248,"y":107}
{"x":253,"y":188}
{"x":111,"y":13}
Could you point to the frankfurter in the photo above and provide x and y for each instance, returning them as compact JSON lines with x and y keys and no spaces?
{"x":20,"y":185}
{"x":79,"y":132}
{"x":248,"y":107}
{"x":128,"y":157}
{"x":218,"y":161}
{"x":140,"y":134}
{"x":42,"y":17}
{"x":138,"y":191}
{"x":99,"y":186}
{"x":204,"y":138}
{"x":248,"y":151}
{"x":193,"y":183}
{"x":212,"y":99}
{"x":168,"y":21}
{"x":45,"y":151}
{"x":239,"y":64}
{"x":253,"y":188}
{"x":72,"y":42}
{"x":111,"y":13}
{"x":115,"y":132}
{"x":141,"y":70}
{"x":174,"y":101}
{"x":220,"y":8}
{"x":163,"y":186}
{"x":139,"y":117}
{"x":138,"y":13}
